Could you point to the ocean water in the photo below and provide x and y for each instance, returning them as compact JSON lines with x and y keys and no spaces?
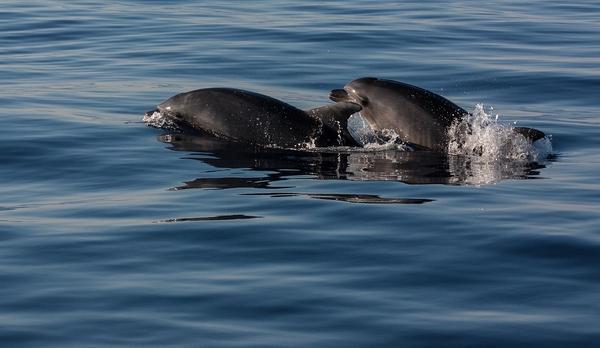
{"x":113,"y":233}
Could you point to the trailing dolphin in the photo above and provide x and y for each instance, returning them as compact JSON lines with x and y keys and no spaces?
{"x":258,"y":119}
{"x":419,"y":117}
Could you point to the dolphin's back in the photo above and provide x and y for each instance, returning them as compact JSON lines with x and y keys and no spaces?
{"x":243,"y":116}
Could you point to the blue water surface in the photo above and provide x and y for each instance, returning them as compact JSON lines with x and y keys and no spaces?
{"x":113,"y":233}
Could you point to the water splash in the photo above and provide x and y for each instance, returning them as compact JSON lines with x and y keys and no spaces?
{"x":481,"y":135}
{"x":373,"y":140}
{"x":158,"y":120}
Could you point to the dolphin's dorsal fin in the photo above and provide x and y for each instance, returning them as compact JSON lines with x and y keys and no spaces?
{"x":529,"y":133}
{"x":335,"y":116}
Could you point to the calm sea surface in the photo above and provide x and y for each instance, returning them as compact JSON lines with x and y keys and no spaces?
{"x":113,"y":233}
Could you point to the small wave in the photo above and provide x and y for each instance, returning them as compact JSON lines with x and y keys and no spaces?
{"x":379,"y":141}
{"x":481,"y":135}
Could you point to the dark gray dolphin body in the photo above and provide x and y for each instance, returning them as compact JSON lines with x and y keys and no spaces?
{"x":254,"y":118}
{"x":418,"y":116}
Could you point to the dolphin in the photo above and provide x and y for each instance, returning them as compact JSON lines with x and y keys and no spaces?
{"x":254,"y":118}
{"x":421,"y":118}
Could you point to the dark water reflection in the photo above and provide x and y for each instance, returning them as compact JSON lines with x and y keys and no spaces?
{"x":350,"y":198}
{"x":419,"y":167}
{"x":213,"y":218}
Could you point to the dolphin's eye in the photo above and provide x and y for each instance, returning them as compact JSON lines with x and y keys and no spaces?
{"x":364,"y":102}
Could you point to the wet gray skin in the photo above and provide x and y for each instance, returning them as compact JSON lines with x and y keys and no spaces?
{"x":258,"y":119}
{"x":418,"y":116}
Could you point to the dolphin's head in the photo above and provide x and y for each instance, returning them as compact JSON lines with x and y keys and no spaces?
{"x":174,"y":107}
{"x":357,"y":91}
{"x":172,"y":113}
{"x":363,"y":92}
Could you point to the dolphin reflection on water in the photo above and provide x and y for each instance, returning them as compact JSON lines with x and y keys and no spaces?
{"x":418,"y":167}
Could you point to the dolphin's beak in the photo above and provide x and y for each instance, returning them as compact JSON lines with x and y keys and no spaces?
{"x":150,"y":113}
{"x":338,"y":95}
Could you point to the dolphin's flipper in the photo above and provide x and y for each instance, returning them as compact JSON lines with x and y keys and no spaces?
{"x":335,"y":116}
{"x":529,"y":133}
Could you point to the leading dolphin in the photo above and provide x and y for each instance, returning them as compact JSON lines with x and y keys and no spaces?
{"x":258,"y":119}
{"x":420,"y":117}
